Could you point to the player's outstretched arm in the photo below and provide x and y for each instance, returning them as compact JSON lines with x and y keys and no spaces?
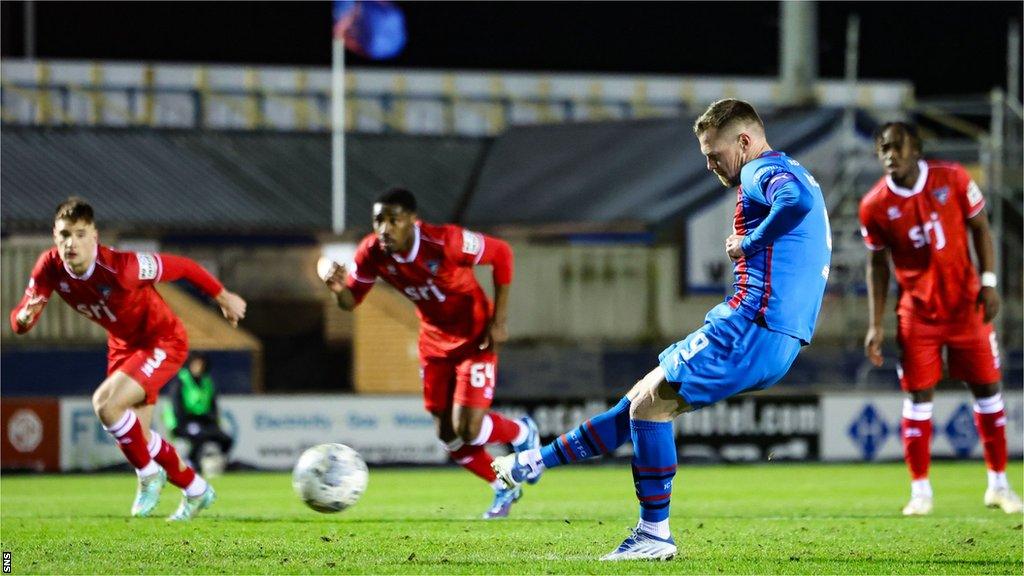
{"x":25,"y":315}
{"x":172,"y":267}
{"x":333,"y":275}
{"x":232,"y":306}
{"x":878,"y":288}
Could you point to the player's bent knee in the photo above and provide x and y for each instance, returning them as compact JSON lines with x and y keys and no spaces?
{"x":642,"y":407}
{"x":656,"y":401}
{"x":99,"y":400}
{"x":106,"y":408}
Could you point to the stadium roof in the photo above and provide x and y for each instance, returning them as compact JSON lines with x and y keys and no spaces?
{"x":216,"y":181}
{"x":649,"y":172}
{"x":645,"y":174}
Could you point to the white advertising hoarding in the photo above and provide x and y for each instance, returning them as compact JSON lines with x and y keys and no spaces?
{"x":271,"y":431}
{"x":866,"y":426}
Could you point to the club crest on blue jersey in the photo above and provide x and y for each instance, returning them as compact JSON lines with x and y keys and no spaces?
{"x":433,"y":266}
{"x":942,"y":194}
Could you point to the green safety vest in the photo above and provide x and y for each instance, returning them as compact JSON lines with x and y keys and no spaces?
{"x":196,"y":397}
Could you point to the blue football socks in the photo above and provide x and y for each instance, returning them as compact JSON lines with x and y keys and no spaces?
{"x":599,"y":435}
{"x":654,"y":467}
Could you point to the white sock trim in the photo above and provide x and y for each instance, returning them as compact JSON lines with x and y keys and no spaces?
{"x":989,"y":405}
{"x":659,"y":529}
{"x":123,"y":425}
{"x":196,"y":487}
{"x":454,"y":445}
{"x":921,"y":488}
{"x":486,"y":427}
{"x":154,"y":443}
{"x":997,"y":480}
{"x":148,"y":469}
{"x":919,"y":411}
{"x":524,"y":433}
{"x":533,"y":459}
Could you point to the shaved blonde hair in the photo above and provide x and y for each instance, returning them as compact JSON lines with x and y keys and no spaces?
{"x":725,"y":112}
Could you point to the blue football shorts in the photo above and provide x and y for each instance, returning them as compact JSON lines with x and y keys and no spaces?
{"x":728,"y":355}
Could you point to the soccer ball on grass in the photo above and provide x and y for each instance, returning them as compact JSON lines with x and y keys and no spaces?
{"x":330,"y":477}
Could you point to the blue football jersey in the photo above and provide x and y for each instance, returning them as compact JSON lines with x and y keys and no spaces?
{"x":781,"y":284}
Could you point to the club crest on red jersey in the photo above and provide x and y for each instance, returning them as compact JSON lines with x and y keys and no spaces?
{"x":942,"y":194}
{"x":433,"y":266}
{"x":893,"y":212}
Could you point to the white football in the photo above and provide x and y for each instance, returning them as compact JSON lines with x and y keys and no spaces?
{"x":323,"y":267}
{"x":330,"y":477}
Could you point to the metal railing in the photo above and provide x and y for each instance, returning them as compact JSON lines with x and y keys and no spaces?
{"x":65,"y":104}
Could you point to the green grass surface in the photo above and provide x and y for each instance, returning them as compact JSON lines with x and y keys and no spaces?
{"x":807,"y":519}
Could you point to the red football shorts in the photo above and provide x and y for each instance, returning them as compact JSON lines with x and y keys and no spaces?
{"x":468,"y":381}
{"x":151,"y":367}
{"x":971,"y":348}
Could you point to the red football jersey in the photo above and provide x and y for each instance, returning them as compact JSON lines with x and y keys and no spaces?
{"x":437,"y":275}
{"x":117,"y":293}
{"x":925,"y":229}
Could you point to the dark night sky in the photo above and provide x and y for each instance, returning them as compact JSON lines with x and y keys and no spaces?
{"x":943,"y":47}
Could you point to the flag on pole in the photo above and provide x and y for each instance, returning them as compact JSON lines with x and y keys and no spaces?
{"x":371,"y":28}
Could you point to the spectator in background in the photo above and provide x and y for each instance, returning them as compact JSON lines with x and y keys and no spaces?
{"x":192,"y":416}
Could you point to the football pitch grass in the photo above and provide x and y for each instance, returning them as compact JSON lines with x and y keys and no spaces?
{"x":769,"y":518}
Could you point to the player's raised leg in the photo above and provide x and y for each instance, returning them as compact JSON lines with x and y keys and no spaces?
{"x":596,"y":436}
{"x":113,"y":402}
{"x":990,"y":419}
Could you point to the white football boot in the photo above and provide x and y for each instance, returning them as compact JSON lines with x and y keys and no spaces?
{"x":918,"y":506}
{"x":1004,"y":498}
{"x":642,"y":546}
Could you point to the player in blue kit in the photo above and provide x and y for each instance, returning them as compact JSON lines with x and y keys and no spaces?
{"x":780,"y":246}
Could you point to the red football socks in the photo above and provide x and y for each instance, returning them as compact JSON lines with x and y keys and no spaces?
{"x":503,"y":430}
{"x":167,"y":457}
{"x":130,"y":439}
{"x":472,"y":458}
{"x":917,"y":438}
{"x":990,"y":419}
